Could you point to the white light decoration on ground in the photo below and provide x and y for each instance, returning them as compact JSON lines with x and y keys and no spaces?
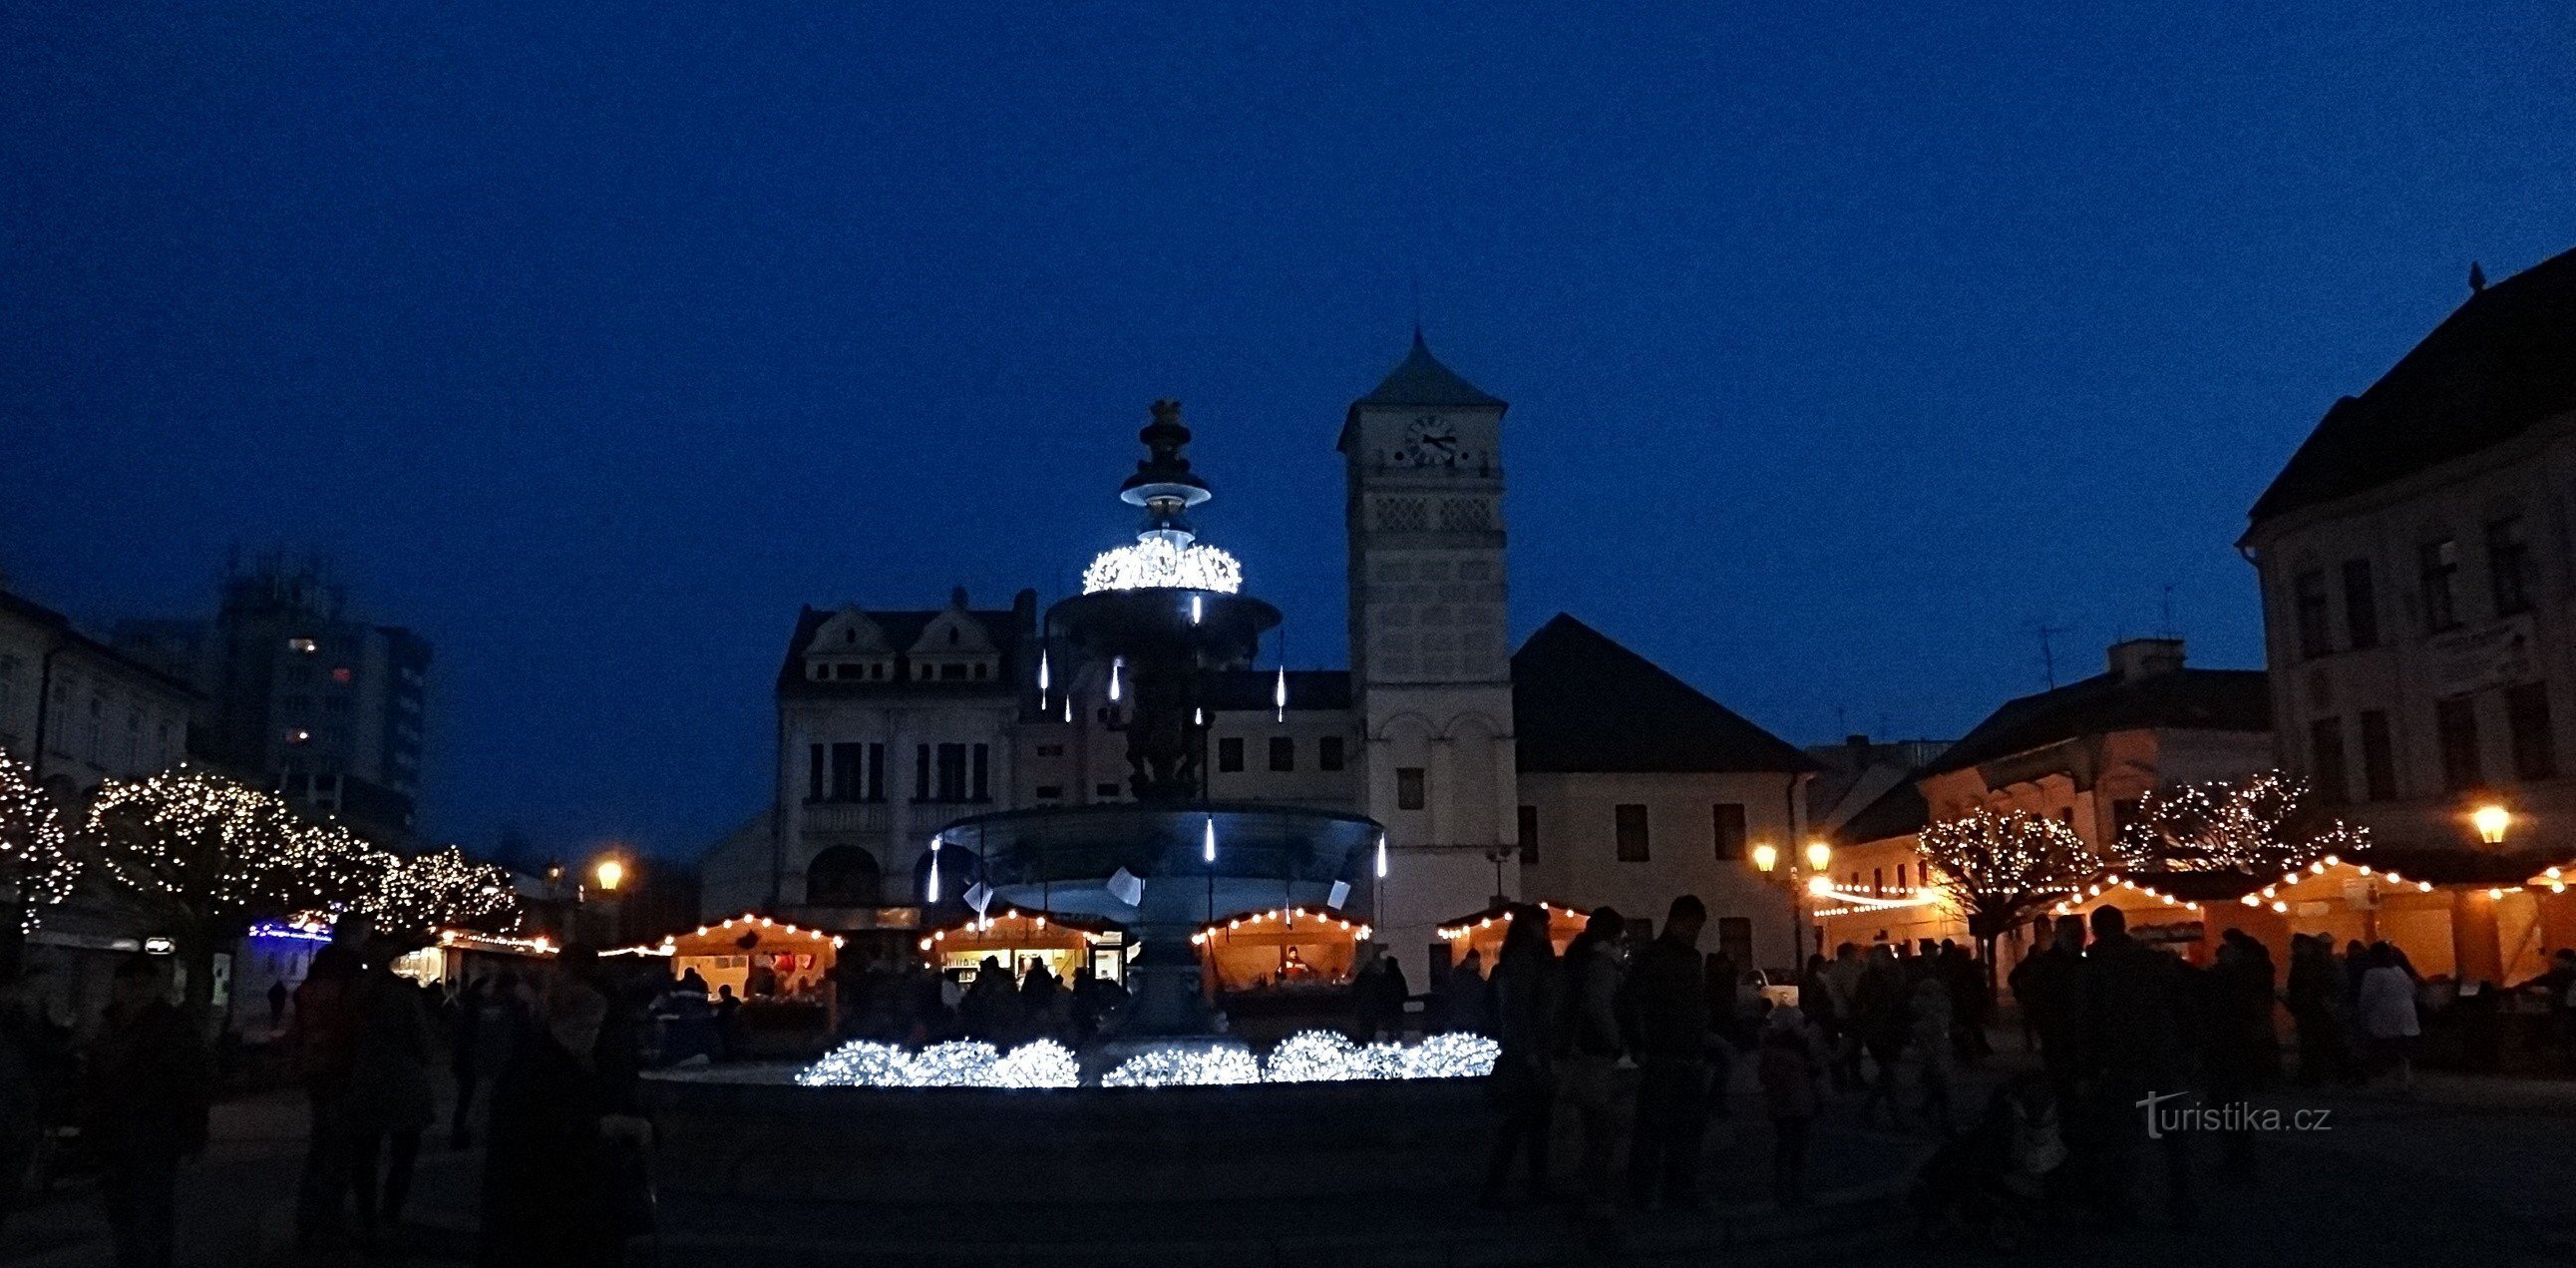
{"x":1454,"y":1055}
{"x":1042,"y":1064}
{"x":1185,"y":1067}
{"x":1159,"y":563}
{"x":856,"y":1064}
{"x":1313,"y":1056}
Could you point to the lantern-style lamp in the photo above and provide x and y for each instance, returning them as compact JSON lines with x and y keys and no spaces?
{"x":610,"y":874}
{"x":2491,"y":821}
{"x":1819,"y":856}
{"x":1766,"y":857}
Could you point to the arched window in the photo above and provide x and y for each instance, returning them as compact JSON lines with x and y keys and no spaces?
{"x":843,"y":876}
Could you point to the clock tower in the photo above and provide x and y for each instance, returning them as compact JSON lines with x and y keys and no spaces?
{"x":1430,"y":647}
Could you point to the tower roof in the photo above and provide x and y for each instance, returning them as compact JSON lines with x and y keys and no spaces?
{"x":1421,"y":380}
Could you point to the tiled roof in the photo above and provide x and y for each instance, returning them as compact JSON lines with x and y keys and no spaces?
{"x":1900,"y":811}
{"x":2186,"y":699}
{"x":1581,"y":702}
{"x":2498,"y":364}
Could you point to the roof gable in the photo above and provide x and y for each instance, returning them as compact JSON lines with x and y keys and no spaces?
{"x":2499,"y":364}
{"x":1582,"y":702}
{"x":2176,"y":699}
{"x":848,"y":632}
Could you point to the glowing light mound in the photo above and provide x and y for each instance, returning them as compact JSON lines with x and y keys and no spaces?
{"x":1156,"y":563}
{"x":1185,"y":1067}
{"x":1312,"y":1056}
{"x":1042,"y":1064}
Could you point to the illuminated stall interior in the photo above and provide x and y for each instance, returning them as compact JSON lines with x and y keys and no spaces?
{"x":760,"y":958}
{"x":1282,"y":947}
{"x":1482,"y":932}
{"x":460,"y":955}
{"x":1018,"y":940}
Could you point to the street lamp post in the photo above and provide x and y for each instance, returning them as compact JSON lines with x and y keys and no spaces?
{"x":1767,"y":860}
{"x":609,"y":873}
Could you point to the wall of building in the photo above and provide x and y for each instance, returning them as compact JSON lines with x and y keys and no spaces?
{"x":2390,"y":653}
{"x":1578,"y":859}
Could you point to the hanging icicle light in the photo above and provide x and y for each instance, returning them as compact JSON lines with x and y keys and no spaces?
{"x":1207,"y":841}
{"x":1042,"y":678}
{"x":1279,"y":695}
{"x":1195,"y":601}
{"x":935,"y":840}
{"x":1068,"y":708}
{"x":1381,"y":856}
{"x":1198,"y":716}
{"x":1114,"y":666}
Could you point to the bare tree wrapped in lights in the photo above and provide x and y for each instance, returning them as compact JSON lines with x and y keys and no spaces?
{"x":36,"y":863}
{"x":2254,"y":825}
{"x":1999,"y":869}
{"x":213,"y":856}
{"x":439,"y":889}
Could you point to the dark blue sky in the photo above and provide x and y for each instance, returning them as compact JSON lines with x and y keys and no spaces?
{"x":1846,"y":343}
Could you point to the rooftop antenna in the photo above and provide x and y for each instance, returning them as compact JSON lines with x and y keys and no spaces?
{"x":2170,"y":630}
{"x":1417,"y":305}
{"x":2047,"y":651}
{"x":2477,"y":280}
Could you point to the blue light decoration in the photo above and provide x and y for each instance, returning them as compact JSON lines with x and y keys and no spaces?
{"x":299,"y":932}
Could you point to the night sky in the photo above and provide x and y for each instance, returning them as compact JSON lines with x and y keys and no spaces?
{"x":1846,"y":344}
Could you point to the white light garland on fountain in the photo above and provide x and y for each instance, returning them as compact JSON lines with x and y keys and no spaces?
{"x":1156,"y":563}
{"x":1043,"y":1063}
{"x":1185,"y":1067}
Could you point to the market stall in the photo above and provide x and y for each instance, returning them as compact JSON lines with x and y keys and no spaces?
{"x":1482,"y":932}
{"x":1018,"y":940}
{"x":1284,"y":947}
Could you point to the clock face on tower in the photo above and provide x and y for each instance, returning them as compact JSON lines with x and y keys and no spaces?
{"x":1429,"y":441}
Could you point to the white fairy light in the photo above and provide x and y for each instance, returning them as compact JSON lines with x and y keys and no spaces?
{"x":1454,"y":1055}
{"x":1195,"y":609}
{"x":1381,"y":856}
{"x":1158,"y":563}
{"x":1115,"y":664}
{"x":1312,"y":1056}
{"x":1042,"y":1064}
{"x":935,"y":840}
{"x":1185,"y":1067}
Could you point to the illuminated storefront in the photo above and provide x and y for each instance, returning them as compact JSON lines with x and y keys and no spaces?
{"x":1019,"y":940}
{"x":1482,"y":932}
{"x":1282,"y":948}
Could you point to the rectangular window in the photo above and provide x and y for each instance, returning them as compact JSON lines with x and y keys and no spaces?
{"x":1329,"y":754}
{"x":2455,"y":725}
{"x":814,"y":772}
{"x":921,"y":773}
{"x":2308,"y":610}
{"x":1229,"y":754}
{"x":1878,"y":880}
{"x":845,"y":772}
{"x":2508,"y":565}
{"x":1900,"y":878}
{"x":876,"y":772}
{"x":1409,"y":794}
{"x":1735,"y":940}
{"x":1104,"y":790}
{"x":1529,"y":834}
{"x":2526,"y":715}
{"x":2378,"y":756}
{"x":1050,"y":750}
{"x":1283,"y":753}
{"x":1726,"y":823}
{"x":1050,"y":792}
{"x":2360,"y":606}
{"x":982,"y":787}
{"x":2325,"y":762}
{"x":1629,"y":821}
{"x":2437,"y":568}
{"x":952,"y":772}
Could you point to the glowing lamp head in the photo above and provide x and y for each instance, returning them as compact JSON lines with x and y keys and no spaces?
{"x":1766,"y":858}
{"x":2492,"y":822}
{"x":1819,"y":856}
{"x":610,"y":874}
{"x":1820,"y":886}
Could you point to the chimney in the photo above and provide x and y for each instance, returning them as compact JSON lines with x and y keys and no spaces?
{"x":957,"y":598}
{"x":2136,"y":658}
